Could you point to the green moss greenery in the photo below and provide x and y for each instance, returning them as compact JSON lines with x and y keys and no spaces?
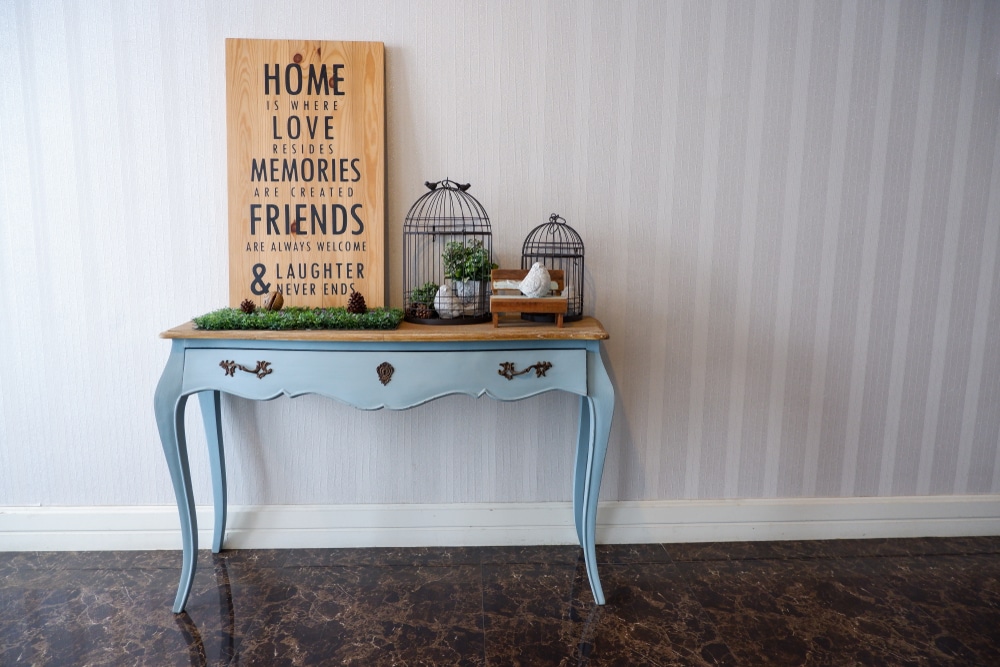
{"x":228,"y":319}
{"x":425,"y":293}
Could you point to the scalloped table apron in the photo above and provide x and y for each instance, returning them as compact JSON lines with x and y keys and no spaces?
{"x":397,"y":369}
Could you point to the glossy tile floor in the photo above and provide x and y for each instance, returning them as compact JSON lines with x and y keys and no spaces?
{"x":852,"y":602}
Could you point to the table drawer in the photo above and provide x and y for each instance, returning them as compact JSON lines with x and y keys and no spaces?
{"x":395,"y":380}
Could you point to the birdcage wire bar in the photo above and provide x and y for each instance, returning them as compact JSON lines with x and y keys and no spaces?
{"x":447,"y":256}
{"x":556,"y":245}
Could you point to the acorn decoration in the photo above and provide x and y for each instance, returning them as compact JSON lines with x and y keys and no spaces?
{"x":248,"y":306}
{"x":356,"y":304}
{"x":274,"y":300}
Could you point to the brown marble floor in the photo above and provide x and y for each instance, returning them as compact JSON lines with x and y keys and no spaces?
{"x":847,"y":602}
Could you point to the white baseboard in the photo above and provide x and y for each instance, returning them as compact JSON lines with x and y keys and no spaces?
{"x":319,"y":526}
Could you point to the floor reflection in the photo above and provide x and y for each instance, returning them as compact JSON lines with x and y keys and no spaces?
{"x":922,"y":601}
{"x":589,"y":616}
{"x":197,"y":650}
{"x":196,"y":645}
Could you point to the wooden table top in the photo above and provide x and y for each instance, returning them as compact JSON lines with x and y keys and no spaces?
{"x":587,"y":328}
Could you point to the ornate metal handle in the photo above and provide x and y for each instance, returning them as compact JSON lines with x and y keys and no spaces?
{"x":385,"y":371}
{"x":507,"y":369}
{"x":263,"y":368}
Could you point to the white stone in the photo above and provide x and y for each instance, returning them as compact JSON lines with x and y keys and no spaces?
{"x":446,"y":304}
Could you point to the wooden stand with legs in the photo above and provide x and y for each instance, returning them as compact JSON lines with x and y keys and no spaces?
{"x":508,"y":299}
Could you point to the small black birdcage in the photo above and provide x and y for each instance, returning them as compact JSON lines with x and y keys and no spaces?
{"x":556,"y":245}
{"x":447,"y":257}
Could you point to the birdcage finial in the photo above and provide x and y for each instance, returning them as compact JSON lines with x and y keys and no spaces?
{"x":449,"y":184}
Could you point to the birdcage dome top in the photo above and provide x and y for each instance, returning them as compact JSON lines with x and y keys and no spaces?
{"x":447,"y":208}
{"x":554,"y":238}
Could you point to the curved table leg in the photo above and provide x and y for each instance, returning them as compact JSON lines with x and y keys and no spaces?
{"x":580,"y":466}
{"x":596,"y":412}
{"x":211,"y":414}
{"x":168,"y":404}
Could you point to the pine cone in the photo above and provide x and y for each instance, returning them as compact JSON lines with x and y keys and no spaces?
{"x":248,"y":306}
{"x":422,"y":311}
{"x":356,"y":304}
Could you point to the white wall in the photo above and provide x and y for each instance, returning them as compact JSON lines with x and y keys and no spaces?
{"x":791,"y":212}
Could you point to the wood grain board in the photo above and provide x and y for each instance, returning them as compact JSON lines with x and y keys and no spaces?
{"x":306,"y":166}
{"x":587,"y":328}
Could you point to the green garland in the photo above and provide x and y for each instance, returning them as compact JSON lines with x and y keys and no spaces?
{"x":227,"y":319}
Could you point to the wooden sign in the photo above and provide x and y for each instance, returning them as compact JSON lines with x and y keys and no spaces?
{"x":306,"y":139}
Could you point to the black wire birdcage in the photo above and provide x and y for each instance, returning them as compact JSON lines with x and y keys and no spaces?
{"x":447,"y":257}
{"x":556,"y":245}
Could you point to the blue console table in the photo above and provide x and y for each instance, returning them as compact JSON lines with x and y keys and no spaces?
{"x":397,"y":369}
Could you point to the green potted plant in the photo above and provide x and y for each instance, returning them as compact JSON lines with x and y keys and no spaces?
{"x":425,"y":294}
{"x":422,"y":301}
{"x":467,"y":261}
{"x":467,"y":264}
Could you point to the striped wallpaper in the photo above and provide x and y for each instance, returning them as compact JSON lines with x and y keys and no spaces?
{"x":791,"y":213}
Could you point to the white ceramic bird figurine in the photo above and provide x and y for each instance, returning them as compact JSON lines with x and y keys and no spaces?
{"x":446,"y":304}
{"x":537,"y":283}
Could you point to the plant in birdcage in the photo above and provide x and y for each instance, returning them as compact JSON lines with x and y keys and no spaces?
{"x":424,"y":295}
{"x":466,"y":261}
{"x":467,"y":264}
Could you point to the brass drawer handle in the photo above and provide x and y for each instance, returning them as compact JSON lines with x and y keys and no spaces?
{"x":507,"y":369}
{"x":263,"y":368}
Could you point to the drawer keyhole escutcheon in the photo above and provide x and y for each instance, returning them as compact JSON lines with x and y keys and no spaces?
{"x":263,"y":368}
{"x":507,"y":369}
{"x":385,"y":371}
